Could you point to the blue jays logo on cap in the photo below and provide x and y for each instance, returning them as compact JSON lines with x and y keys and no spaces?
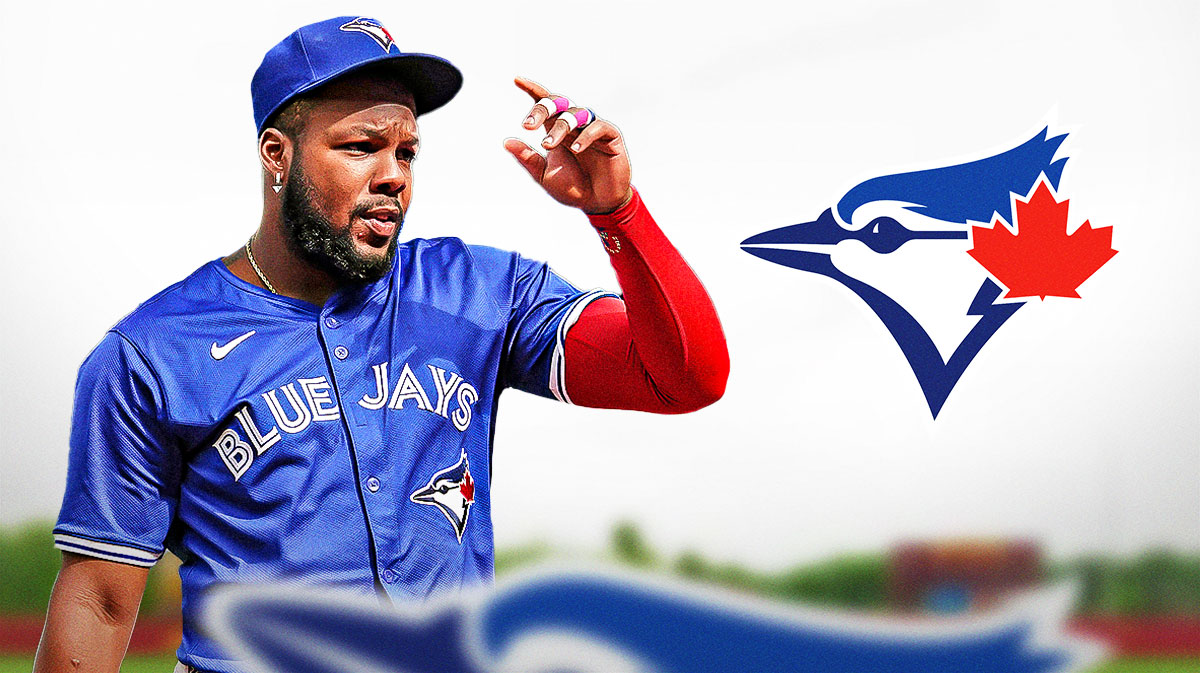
{"x":319,"y":53}
{"x":452,"y":491}
{"x":370,"y":28}
{"x":1026,"y":249}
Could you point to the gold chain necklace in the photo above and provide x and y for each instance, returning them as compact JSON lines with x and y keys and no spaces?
{"x":261,"y":276}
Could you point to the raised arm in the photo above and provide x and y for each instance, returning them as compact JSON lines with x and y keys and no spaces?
{"x":92,"y":610}
{"x":661,"y":348}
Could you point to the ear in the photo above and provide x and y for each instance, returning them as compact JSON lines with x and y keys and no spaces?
{"x":275,"y":152}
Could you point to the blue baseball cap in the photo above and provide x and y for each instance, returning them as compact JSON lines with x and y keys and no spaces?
{"x":321,"y":52}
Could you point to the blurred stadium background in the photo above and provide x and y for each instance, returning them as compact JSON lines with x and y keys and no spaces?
{"x":1145,"y":608}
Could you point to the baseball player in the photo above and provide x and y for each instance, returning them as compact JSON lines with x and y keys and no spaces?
{"x":319,"y":405}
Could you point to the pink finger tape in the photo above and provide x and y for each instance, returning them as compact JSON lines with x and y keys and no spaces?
{"x":584,"y":117}
{"x":553,"y":106}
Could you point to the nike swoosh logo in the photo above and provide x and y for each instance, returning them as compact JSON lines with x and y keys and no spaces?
{"x":219,"y":352}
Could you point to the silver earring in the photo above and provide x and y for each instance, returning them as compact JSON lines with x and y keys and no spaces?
{"x":278,"y":182}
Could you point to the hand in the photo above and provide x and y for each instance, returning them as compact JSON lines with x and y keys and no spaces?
{"x":587,"y":168}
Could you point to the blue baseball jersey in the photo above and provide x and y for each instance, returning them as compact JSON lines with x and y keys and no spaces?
{"x":262,"y":438}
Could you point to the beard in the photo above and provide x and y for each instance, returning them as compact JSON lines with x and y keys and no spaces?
{"x":313,"y":238}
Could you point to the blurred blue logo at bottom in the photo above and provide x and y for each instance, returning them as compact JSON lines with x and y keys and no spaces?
{"x":588,"y":621}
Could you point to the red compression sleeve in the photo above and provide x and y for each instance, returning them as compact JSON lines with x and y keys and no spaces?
{"x":662,"y":348}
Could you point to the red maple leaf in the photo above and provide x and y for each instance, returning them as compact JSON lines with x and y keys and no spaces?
{"x":1040,"y":259}
{"x":467,"y":487}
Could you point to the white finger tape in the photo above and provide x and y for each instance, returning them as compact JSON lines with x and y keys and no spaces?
{"x":569,"y":118}
{"x":548,"y":105}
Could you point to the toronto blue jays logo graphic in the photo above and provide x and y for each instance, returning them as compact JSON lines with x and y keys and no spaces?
{"x":372,"y":28}
{"x":452,"y":491}
{"x":577,"y":621}
{"x":923,"y":219}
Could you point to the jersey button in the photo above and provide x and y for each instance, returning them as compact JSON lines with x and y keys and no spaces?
{"x":373,"y":485}
{"x":341,"y":353}
{"x":389,"y":576}
{"x":332,"y":322}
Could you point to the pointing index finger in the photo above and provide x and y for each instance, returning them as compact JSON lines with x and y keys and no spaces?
{"x":538,"y":114}
{"x":535,"y":90}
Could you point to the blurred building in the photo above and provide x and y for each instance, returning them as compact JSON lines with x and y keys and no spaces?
{"x":958,"y":576}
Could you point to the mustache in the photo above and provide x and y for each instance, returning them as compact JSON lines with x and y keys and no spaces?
{"x":362,"y":209}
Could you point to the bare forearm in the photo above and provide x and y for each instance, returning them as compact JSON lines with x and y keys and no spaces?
{"x":92,"y":611}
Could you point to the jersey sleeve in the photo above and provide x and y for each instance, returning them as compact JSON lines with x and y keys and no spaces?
{"x":544,"y":307}
{"x":122,"y":475}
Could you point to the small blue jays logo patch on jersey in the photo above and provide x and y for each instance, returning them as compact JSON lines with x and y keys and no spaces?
{"x":453,"y":492}
{"x":934,"y":278}
{"x":371,"y":28}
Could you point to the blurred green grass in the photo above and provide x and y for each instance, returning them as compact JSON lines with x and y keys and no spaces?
{"x":164,"y":664}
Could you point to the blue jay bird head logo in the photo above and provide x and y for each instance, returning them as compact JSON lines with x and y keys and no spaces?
{"x":452,"y":491}
{"x":917,"y":248}
{"x":370,"y":28}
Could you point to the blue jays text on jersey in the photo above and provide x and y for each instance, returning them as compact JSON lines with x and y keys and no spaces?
{"x":263,"y":438}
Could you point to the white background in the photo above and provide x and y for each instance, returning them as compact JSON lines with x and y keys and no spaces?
{"x":127,"y":159}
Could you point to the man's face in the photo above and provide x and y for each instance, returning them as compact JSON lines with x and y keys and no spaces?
{"x":350,"y":179}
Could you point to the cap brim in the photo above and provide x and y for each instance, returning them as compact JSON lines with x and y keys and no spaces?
{"x":432,"y":80}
